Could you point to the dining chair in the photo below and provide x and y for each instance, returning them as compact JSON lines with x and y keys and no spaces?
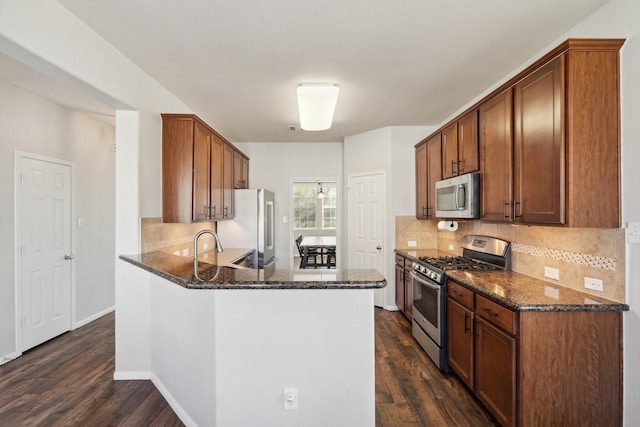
{"x":308,"y":256}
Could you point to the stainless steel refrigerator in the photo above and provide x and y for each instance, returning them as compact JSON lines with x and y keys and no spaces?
{"x":253,"y":225}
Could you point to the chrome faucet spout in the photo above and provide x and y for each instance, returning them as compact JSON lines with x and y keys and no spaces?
{"x":219,"y":247}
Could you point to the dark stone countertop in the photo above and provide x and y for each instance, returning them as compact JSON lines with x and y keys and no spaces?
{"x":180,"y":270}
{"x":520,"y":292}
{"x":524,"y":293}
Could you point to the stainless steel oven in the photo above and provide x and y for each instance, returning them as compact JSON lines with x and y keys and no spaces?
{"x":429,"y":282}
{"x":428,"y":313}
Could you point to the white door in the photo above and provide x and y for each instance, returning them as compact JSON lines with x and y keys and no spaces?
{"x":45,"y":239}
{"x":366,"y":224}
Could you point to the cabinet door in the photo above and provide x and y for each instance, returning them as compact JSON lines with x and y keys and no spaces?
{"x":177,"y":170}
{"x":202,"y":141}
{"x":400,"y":287}
{"x":539,"y":146}
{"x":495,"y":371}
{"x":227,"y":192}
{"x":460,"y":341}
{"x":468,"y":143}
{"x":421,"y":181}
{"x":450,"y":151}
{"x":434,"y":172}
{"x":495,"y":157}
{"x":237,"y":170}
{"x":217,"y":177}
{"x":245,"y":173}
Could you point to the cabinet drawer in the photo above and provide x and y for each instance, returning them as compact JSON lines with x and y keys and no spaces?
{"x":461,"y":294}
{"x":400,"y":260}
{"x":496,"y":314}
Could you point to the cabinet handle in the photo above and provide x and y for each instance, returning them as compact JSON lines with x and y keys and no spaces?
{"x":207,"y":211}
{"x":425,"y":212}
{"x":504,"y":209}
{"x":515,"y":209}
{"x":466,"y":316}
{"x":460,"y":169}
{"x":490,"y":313}
{"x":453,"y":162}
{"x":212,"y":211}
{"x":226,"y":211}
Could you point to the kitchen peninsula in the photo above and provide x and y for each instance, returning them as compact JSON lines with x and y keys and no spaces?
{"x":222,"y":350}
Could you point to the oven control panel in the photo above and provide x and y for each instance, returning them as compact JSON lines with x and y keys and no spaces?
{"x":433,"y":275}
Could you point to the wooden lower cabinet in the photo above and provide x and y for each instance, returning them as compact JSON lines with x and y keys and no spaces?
{"x":404,"y":286}
{"x":495,"y":371}
{"x":537,"y":368}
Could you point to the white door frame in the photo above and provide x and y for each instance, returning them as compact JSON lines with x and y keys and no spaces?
{"x":19,"y":155}
{"x":380,"y":293}
{"x":339,"y":201}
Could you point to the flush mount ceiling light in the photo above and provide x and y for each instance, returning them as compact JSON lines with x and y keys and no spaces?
{"x":316,"y":105}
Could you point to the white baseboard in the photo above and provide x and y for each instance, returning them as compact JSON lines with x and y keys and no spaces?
{"x":9,"y":357}
{"x":177,"y":408}
{"x":131,"y":375}
{"x":94,"y":317}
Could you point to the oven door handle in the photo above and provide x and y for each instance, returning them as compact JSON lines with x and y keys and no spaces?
{"x":424,"y":282}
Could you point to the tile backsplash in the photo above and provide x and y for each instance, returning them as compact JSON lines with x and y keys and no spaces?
{"x":174,"y":238}
{"x":576,"y":252}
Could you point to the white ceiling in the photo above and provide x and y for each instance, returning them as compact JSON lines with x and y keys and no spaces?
{"x":397,"y":62}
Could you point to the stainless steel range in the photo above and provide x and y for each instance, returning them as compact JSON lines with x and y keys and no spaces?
{"x":479,"y":253}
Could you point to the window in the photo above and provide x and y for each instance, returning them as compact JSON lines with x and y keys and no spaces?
{"x":310,"y":212}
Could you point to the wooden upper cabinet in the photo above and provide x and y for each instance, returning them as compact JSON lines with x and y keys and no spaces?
{"x":450,"y":151}
{"x":217,"y":171}
{"x":428,"y":171}
{"x":201,"y":187}
{"x":421,"y":181}
{"x":240,"y":170}
{"x":227,"y":179}
{"x":177,"y":169}
{"x":538,"y":167}
{"x":468,"y":143}
{"x":460,"y":146}
{"x":197,"y":171}
{"x":245,"y":173}
{"x":592,"y":132}
{"x":495,"y":157}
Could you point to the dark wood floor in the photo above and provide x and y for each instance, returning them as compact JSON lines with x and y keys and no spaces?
{"x":68,"y":381}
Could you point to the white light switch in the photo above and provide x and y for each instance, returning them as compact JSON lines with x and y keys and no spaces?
{"x":411,"y":243}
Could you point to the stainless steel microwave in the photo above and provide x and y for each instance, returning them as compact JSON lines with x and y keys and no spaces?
{"x":458,"y":197}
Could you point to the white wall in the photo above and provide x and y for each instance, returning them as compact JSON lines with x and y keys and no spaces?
{"x":45,"y":36}
{"x":32,"y":124}
{"x":389,"y":150}
{"x":274,"y":165}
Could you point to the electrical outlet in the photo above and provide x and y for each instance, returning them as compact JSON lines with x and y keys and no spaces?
{"x":290,"y":397}
{"x":551,"y":273}
{"x":451,"y":248}
{"x":593,"y":284}
{"x":633,"y":232}
{"x":412,"y":243}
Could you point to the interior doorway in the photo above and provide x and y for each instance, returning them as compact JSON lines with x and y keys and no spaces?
{"x":315,"y":213}
{"x":366,"y":225}
{"x":44,"y":243}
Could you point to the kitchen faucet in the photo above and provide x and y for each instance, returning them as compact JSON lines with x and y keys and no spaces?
{"x":219,"y":248}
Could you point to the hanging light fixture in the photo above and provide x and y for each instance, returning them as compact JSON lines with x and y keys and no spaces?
{"x":316,"y":105}
{"x":321,"y":193}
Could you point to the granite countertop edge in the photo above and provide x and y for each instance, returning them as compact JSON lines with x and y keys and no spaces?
{"x":257,"y":282}
{"x":602,"y":304}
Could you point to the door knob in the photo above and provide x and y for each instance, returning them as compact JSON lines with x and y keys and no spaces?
{"x":379,"y":247}
{"x":70,"y":256}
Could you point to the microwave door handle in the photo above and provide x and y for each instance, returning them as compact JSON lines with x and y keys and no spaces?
{"x":461,"y":203}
